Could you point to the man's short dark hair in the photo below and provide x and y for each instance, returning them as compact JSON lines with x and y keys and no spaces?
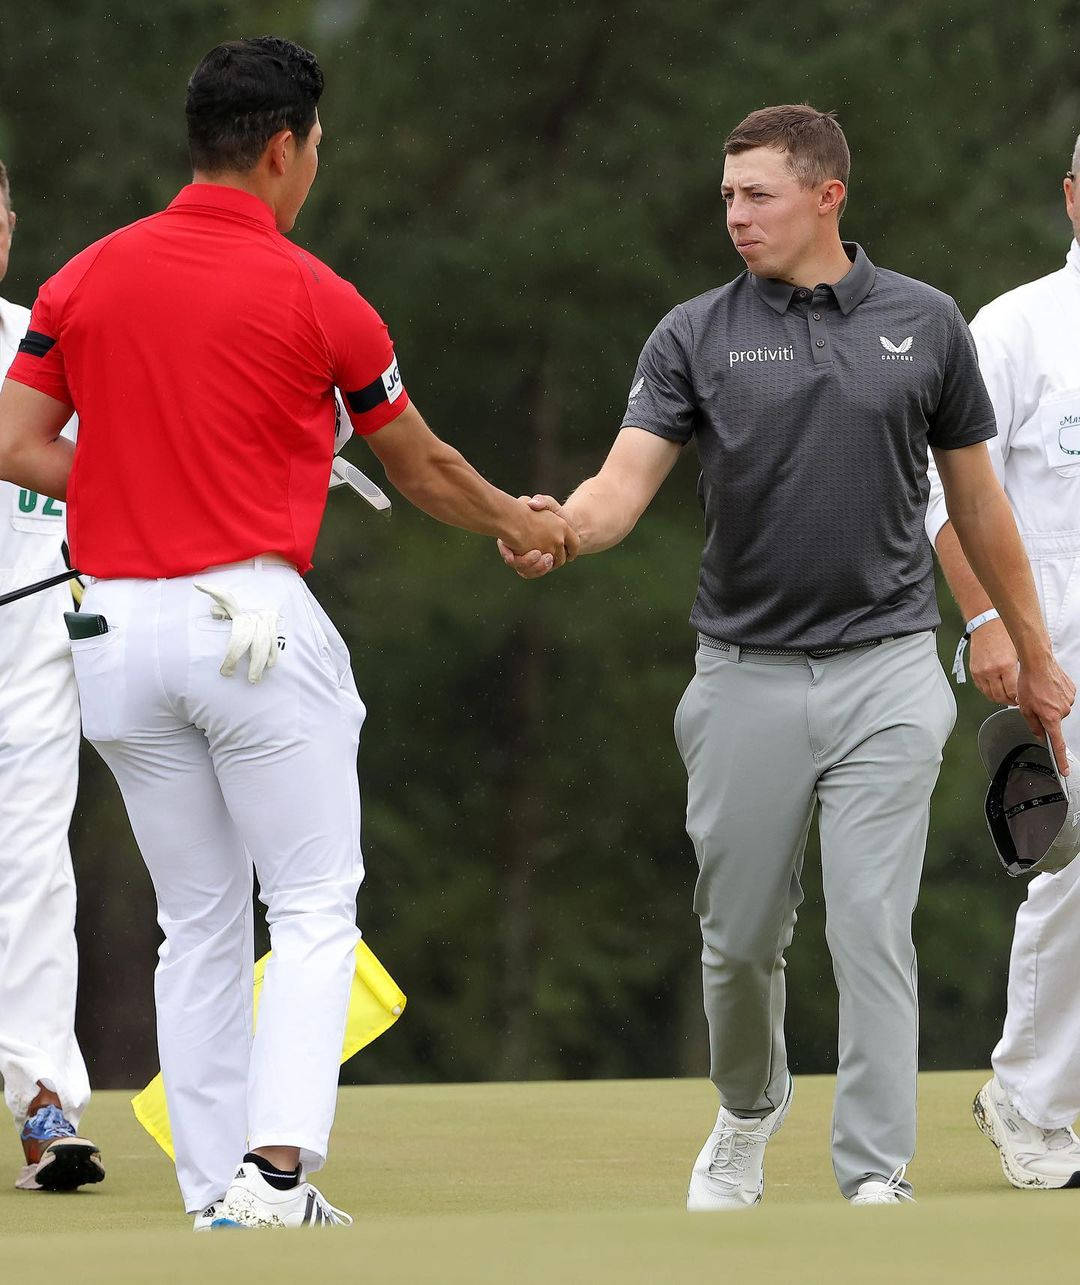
{"x":816,"y":148}
{"x":242,"y":94}
{"x":5,"y":186}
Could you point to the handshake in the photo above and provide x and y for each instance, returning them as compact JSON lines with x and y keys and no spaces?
{"x":548,"y":536}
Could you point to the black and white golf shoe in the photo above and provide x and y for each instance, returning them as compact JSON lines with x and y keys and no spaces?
{"x":251,"y":1202}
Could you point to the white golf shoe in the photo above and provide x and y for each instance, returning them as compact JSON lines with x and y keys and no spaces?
{"x":1030,"y":1156}
{"x":887,"y":1191}
{"x":204,"y":1219}
{"x":728,"y":1173}
{"x":252,"y":1202}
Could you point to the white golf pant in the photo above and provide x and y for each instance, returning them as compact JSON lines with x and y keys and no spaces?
{"x":217,"y":774}
{"x":39,"y":764}
{"x":1037,"y":1059}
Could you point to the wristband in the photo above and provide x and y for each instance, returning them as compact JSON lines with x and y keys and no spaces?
{"x":961,"y":646}
{"x":976,"y":621}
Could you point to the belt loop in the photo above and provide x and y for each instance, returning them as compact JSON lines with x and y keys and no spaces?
{"x":731,"y":650}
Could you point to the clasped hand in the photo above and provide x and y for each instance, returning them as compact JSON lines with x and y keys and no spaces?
{"x":548,"y":519}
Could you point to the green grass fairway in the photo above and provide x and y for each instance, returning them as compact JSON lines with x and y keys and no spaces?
{"x":563,"y":1182}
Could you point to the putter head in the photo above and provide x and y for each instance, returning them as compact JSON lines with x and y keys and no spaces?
{"x":345,"y":474}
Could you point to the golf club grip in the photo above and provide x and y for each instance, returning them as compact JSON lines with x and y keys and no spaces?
{"x":61,"y":577}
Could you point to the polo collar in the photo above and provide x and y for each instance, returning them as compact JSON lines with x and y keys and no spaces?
{"x":1072,"y":259}
{"x":849,"y":291}
{"x":230,"y":200}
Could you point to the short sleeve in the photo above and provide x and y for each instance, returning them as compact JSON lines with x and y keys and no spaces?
{"x":364,"y":365}
{"x":39,"y":362}
{"x":964,"y":414}
{"x":662,"y":394}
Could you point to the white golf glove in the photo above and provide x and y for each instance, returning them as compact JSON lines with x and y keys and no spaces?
{"x":252,"y":631}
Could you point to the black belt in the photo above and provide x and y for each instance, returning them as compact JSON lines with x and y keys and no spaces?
{"x":815,"y":653}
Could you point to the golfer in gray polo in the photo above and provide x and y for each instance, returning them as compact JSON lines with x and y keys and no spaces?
{"x":813,"y":386}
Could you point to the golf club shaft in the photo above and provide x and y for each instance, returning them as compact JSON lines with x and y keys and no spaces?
{"x":27,"y":590}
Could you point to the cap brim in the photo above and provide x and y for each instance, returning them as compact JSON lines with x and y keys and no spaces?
{"x":1003,"y":732}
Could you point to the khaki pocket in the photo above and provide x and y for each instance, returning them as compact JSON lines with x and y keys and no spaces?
{"x":950,"y":698}
{"x":678,"y":717}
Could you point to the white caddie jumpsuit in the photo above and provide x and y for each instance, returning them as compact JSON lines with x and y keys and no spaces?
{"x":39,"y":760}
{"x":1029,"y":355}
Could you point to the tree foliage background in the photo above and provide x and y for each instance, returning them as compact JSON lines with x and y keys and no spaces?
{"x":523,"y":191}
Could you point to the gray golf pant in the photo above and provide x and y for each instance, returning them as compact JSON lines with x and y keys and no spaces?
{"x":764,"y":740}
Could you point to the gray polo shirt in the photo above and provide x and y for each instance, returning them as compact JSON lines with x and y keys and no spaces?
{"x":813,"y":410}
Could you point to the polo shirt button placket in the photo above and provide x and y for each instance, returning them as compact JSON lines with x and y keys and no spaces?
{"x":819,"y":339}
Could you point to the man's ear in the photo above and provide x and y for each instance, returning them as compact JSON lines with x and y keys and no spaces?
{"x":279,"y":150}
{"x":831,"y":197}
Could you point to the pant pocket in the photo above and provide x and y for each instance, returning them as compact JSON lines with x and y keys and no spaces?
{"x":1056,"y":579}
{"x":325,"y":638}
{"x":98,"y":665}
{"x":680,"y":710}
{"x":950,"y":700}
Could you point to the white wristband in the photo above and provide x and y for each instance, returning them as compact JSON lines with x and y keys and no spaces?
{"x":976,"y":621}
{"x":961,"y":647}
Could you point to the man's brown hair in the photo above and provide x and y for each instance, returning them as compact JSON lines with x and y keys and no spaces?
{"x":5,"y":187}
{"x":814,"y":142}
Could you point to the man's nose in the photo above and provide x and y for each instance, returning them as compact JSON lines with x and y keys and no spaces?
{"x":738,"y":214}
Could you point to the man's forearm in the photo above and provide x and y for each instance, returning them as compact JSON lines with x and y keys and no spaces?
{"x":971,"y":597}
{"x":600,"y":515}
{"x":605,"y":508}
{"x":988,"y":537}
{"x":452,"y":491}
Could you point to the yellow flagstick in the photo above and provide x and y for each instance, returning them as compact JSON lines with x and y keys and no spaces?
{"x":375,"y":1004}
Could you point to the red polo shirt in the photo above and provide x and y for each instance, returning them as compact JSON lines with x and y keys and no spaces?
{"x":201,"y":349}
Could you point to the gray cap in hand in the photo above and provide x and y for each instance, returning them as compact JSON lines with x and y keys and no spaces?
{"x":1034,"y":819}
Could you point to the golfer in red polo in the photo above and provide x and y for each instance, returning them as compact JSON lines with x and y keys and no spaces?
{"x":201,"y":349}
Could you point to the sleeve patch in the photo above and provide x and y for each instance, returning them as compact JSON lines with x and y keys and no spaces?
{"x":387,"y":388}
{"x":35,"y":344}
{"x":391,"y":381}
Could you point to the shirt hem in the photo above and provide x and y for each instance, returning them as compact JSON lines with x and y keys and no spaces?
{"x":971,"y":438}
{"x":19,"y":377}
{"x":396,"y":408}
